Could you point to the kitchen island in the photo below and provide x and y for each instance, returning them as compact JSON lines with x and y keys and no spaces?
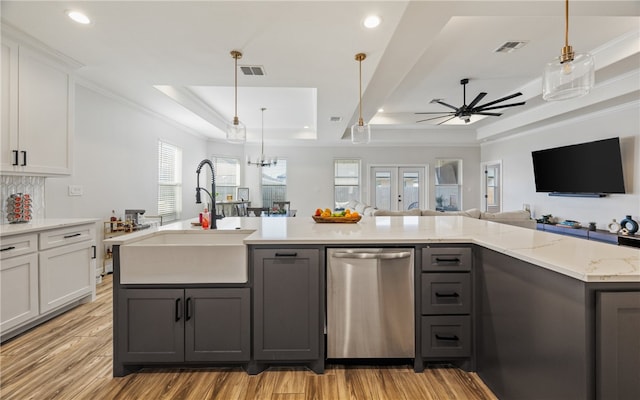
{"x":537,"y":322}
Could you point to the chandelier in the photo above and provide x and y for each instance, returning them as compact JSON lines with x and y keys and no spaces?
{"x":262,"y":161}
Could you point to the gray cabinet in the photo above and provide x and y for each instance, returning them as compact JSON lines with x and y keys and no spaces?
{"x":287,"y":305}
{"x":446,"y":303}
{"x":617,"y":345}
{"x":183,"y":325}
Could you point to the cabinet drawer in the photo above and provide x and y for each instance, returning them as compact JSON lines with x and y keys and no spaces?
{"x":446,"y":336}
{"x":446,"y":259}
{"x":444,"y":293}
{"x":64,"y":236}
{"x":18,"y":245}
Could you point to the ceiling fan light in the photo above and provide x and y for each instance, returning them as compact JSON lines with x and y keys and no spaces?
{"x":570,"y":79}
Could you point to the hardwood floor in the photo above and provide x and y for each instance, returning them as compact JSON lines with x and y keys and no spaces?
{"x":69,"y":357}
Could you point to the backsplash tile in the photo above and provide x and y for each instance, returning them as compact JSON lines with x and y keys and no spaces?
{"x":33,"y":185}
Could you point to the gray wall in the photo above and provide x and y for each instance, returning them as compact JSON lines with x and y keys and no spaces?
{"x":518,"y":180}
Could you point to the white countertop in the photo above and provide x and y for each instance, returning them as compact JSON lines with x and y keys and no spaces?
{"x":38,"y":225}
{"x":585,"y":260}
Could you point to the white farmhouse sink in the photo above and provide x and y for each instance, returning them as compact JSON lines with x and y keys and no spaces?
{"x":185,"y":257}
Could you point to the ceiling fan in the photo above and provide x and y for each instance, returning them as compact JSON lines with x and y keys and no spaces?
{"x":465,"y":111}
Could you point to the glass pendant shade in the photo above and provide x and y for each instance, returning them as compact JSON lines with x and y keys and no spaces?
{"x":569,"y":79}
{"x":360,"y":133}
{"x":236,"y":132}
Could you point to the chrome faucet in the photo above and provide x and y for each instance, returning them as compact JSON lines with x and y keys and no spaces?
{"x":212,"y":223}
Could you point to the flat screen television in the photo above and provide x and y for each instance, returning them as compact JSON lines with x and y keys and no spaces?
{"x":593,"y":168}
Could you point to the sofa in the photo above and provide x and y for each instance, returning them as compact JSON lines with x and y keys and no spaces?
{"x":518,"y":217}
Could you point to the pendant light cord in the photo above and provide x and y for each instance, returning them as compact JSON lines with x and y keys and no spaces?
{"x":566,"y":23}
{"x":360,"y":57}
{"x":262,"y":135}
{"x":235,"y":93}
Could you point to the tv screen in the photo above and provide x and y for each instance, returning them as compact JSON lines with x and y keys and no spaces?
{"x":586,"y":168}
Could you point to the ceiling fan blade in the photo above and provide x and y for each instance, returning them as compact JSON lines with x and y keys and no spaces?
{"x":446,"y":120}
{"x":511,"y":96}
{"x":475,"y":101}
{"x":497,"y":107}
{"x":430,"y":119}
{"x":445,"y":104}
{"x":434,"y":112}
{"x":486,"y":113}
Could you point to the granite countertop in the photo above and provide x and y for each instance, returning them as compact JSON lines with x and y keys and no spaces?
{"x":38,"y":225}
{"x":585,"y":260}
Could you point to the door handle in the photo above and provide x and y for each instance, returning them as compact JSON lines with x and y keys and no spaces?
{"x":24,"y":158}
{"x":94,"y":252}
{"x":178,"y":310}
{"x":188,"y":306}
{"x":15,"y":158}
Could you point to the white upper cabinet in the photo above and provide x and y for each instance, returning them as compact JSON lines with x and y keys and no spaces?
{"x":37,"y":119}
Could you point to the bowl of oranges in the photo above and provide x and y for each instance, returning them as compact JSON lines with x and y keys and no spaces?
{"x":343,"y":216}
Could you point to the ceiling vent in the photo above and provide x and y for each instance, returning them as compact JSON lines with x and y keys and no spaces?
{"x":252,"y":70}
{"x":508,"y":47}
{"x":335,"y":119}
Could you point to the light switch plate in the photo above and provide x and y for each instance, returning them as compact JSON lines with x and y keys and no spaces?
{"x":75,"y":190}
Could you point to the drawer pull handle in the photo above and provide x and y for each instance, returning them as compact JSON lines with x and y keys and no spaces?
{"x":188,"y":313}
{"x":8,"y":248}
{"x":454,"y":294}
{"x":72,"y":235}
{"x":451,"y":338}
{"x":447,"y":260}
{"x":178,"y":310}
{"x":286,"y":254}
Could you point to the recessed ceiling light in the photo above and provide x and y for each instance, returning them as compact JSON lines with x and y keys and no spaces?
{"x":380,"y":109}
{"x":306,"y":127}
{"x":371,"y":21}
{"x":78,"y":17}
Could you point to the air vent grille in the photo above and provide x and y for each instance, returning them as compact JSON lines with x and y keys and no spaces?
{"x":335,"y":119}
{"x":253,"y":70}
{"x":508,"y":47}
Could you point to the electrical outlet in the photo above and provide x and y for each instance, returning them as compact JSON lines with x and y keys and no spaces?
{"x":75,"y":190}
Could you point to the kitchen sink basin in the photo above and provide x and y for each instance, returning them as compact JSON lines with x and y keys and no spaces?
{"x":185,"y":257}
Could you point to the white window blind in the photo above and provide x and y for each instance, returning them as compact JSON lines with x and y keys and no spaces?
{"x":346,"y":181}
{"x":227,"y":172}
{"x":169,"y":181}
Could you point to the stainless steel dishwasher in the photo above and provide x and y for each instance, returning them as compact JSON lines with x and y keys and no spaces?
{"x":370,"y":303}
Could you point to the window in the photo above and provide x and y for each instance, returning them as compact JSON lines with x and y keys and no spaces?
{"x":346,"y":182}
{"x":227,"y":172}
{"x":274,"y":183}
{"x":448,"y":185}
{"x":169,"y":181}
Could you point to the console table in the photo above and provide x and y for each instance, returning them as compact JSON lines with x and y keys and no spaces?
{"x":598,"y":235}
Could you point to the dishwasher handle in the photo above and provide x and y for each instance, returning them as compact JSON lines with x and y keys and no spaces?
{"x":372,"y":256}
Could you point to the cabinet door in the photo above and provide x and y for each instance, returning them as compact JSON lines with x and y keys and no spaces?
{"x":44,"y":115}
{"x":151,"y":325}
{"x":286,"y":304}
{"x":66,"y":274}
{"x":9,"y":102}
{"x":18,"y":290}
{"x":618,"y":345}
{"x":217,"y":325}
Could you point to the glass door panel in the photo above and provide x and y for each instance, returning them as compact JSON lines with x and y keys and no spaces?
{"x":397,"y":188}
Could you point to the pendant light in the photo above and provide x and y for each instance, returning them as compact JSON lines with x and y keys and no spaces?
{"x":263,"y":161}
{"x":570,"y":75}
{"x":236,"y":131}
{"x":360,"y":132}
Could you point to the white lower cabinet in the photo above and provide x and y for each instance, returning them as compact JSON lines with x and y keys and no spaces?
{"x":65,"y":274}
{"x":18,"y":290}
{"x":43,"y":274}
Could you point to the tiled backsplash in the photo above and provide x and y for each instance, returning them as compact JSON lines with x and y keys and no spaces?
{"x":33,"y":185}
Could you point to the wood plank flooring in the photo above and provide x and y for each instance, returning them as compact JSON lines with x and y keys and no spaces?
{"x":69,"y":357}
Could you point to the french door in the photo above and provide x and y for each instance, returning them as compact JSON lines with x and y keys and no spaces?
{"x":397,"y":188}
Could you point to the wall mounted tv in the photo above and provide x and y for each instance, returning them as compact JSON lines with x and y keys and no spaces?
{"x":591,"y":169}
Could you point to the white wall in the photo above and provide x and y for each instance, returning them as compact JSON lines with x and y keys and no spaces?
{"x":518,"y":180}
{"x":310,"y":170}
{"x":115,"y":161}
